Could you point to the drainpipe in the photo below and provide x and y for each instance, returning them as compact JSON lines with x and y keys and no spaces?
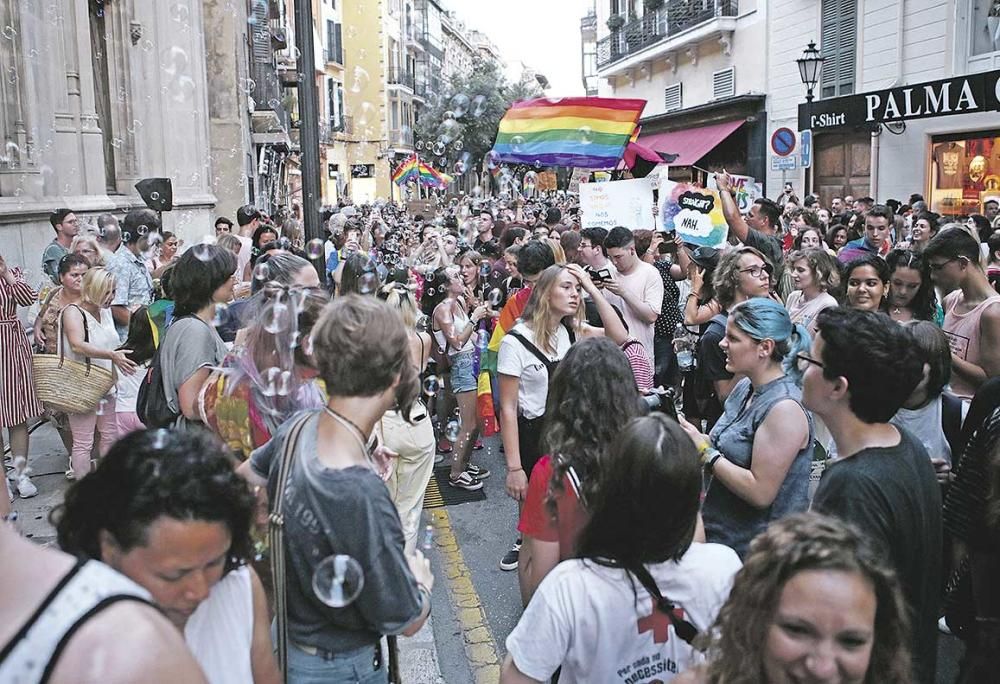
{"x":873,"y":183}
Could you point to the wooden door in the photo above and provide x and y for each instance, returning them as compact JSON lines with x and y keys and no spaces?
{"x":842,"y":165}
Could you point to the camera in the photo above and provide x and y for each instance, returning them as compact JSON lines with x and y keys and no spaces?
{"x":663,"y":401}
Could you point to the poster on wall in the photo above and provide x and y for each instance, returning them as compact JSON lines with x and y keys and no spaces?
{"x":694,"y":213}
{"x":745,"y":190}
{"x":627,"y":203}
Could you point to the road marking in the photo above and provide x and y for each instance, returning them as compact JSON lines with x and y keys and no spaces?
{"x":480,"y":647}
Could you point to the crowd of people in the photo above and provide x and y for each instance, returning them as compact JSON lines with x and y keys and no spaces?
{"x":766,"y":461}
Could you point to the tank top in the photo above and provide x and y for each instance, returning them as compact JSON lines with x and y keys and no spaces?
{"x":729,"y":519}
{"x":220,"y":632}
{"x":101,"y":333}
{"x":460,"y":320}
{"x":963,"y":337}
{"x":90,"y":587}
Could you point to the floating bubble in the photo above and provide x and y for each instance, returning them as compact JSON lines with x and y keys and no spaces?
{"x":142,"y":230}
{"x":459,"y":105}
{"x":495,"y":297}
{"x":102,"y":407}
{"x":431,"y":385}
{"x":154,"y":196}
{"x":478,"y":106}
{"x":180,"y":13}
{"x":361,"y":79}
{"x":585,"y":135}
{"x":284,"y":384}
{"x":338,"y":580}
{"x":269,"y":381}
{"x":517,"y":143}
{"x":9,"y":32}
{"x":448,"y":131}
{"x":315,"y":248}
{"x":459,"y":167}
{"x":247,"y":85}
{"x":482,"y":340}
{"x":368,"y":282}
{"x":431,"y":292}
{"x":452,"y":430}
{"x":424,"y":323}
{"x":419,"y":146}
{"x":203,"y":250}
{"x":220,"y":314}
{"x":458,"y":145}
{"x":126,"y":236}
{"x":485,"y":269}
{"x":428,"y":541}
{"x":261,"y":272}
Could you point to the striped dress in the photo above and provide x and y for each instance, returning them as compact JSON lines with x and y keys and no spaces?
{"x":18,"y":400}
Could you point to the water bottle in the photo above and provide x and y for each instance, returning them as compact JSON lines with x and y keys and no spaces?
{"x":684,"y":348}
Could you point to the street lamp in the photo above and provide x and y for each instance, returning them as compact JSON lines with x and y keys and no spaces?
{"x":809,"y":65}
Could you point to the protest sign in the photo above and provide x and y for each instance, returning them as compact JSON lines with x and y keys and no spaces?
{"x":694,"y":213}
{"x":627,"y":203}
{"x":745,"y":190}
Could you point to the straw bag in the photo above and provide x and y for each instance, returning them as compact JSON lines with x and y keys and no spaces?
{"x":67,"y":385}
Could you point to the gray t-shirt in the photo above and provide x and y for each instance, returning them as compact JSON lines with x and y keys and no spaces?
{"x":339,"y":511}
{"x":190,"y":344}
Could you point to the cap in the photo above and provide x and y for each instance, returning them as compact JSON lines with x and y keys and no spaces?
{"x":706,"y":257}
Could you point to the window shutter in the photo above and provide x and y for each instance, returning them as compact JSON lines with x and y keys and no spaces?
{"x":724,"y":83}
{"x":261,"y":35}
{"x":672,"y":97}
{"x":838,"y":25}
{"x":338,"y":50}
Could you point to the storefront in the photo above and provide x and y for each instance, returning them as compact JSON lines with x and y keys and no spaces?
{"x":940,"y":138}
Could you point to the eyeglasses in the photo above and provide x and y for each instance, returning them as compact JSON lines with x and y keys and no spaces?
{"x":757,"y":271}
{"x":941,"y":264}
{"x":804,"y":361}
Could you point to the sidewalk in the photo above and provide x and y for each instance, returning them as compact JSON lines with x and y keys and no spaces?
{"x":418,"y":661}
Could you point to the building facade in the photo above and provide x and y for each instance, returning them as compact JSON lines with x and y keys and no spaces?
{"x":701,"y":68}
{"x":588,"y":53}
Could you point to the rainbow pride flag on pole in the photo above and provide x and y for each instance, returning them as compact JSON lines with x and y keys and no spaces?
{"x":407,"y":170}
{"x":585,"y":132}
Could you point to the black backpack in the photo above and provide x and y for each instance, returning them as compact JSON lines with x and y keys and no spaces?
{"x":151,"y":401}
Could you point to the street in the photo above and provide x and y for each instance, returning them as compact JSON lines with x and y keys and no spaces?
{"x":476,"y":604}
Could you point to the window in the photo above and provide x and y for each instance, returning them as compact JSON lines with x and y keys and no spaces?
{"x":672,"y":97}
{"x":724,"y":83}
{"x":838,"y":44}
{"x":334,"y":44}
{"x":985,"y":36}
{"x":335,"y":105}
{"x":362,"y":170}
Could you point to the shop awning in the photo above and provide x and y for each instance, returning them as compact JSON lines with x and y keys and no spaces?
{"x":690,"y":144}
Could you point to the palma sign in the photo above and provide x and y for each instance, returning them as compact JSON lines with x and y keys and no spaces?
{"x":959,"y":95}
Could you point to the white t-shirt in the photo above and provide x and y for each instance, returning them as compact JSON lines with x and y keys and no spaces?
{"x":128,"y":389}
{"x":925,"y":424}
{"x":514,"y":359}
{"x":220,"y":632}
{"x":243,"y":258}
{"x":585,"y":618}
{"x":646,"y":285}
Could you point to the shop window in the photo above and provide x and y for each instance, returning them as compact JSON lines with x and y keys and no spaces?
{"x":964,"y":172}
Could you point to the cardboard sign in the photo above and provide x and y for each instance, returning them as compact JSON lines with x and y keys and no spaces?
{"x":546,"y":181}
{"x":579,"y":177}
{"x":627,"y":203}
{"x":694,"y":213}
{"x":746,"y":190}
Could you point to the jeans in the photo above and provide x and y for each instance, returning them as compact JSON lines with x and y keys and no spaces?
{"x":666,"y":371}
{"x":352,"y":667}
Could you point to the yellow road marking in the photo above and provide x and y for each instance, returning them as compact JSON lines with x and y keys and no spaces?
{"x":480,"y":647}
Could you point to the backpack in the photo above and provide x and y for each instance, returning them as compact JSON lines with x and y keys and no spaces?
{"x":151,"y":401}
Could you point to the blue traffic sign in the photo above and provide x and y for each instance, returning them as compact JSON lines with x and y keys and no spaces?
{"x":783,"y":141}
{"x":805,"y":149}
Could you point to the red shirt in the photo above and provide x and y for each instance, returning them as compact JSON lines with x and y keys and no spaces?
{"x":537,"y":521}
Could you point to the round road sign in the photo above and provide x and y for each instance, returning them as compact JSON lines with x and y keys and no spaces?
{"x":783,"y":142}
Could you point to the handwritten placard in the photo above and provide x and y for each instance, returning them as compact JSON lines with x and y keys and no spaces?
{"x":745,"y":190}
{"x":694,"y":213}
{"x":627,"y":203}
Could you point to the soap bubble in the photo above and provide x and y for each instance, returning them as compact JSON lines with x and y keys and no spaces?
{"x":459,"y":105}
{"x":482,"y":340}
{"x":361,"y":79}
{"x":431,"y":385}
{"x":585,"y":135}
{"x":452,"y":430}
{"x":459,"y":167}
{"x":424,"y":323}
{"x":368,"y":282}
{"x":338,"y":580}
{"x":269,"y":381}
{"x":314,"y":248}
{"x":485,"y":269}
{"x":478,"y":106}
{"x":277,"y":316}
{"x":495,"y":297}
{"x":261,"y":272}
{"x":517,"y":143}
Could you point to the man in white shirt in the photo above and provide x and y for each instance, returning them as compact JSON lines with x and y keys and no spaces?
{"x":637,"y":283}
{"x":248,"y":218}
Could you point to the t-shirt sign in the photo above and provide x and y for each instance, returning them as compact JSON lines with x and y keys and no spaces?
{"x":627,"y":203}
{"x":694,"y":213}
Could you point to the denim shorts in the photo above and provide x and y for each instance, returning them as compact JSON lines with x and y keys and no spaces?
{"x":353,"y":666}
{"x":463,"y":375}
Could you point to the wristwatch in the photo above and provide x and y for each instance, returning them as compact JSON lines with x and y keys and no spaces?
{"x":709,"y":458}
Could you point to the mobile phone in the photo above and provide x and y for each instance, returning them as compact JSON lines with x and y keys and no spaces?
{"x":601,"y":276}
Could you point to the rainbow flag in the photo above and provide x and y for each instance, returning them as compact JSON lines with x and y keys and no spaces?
{"x":407,"y":170}
{"x":512,"y":310}
{"x":585,"y":132}
{"x":432,"y":177}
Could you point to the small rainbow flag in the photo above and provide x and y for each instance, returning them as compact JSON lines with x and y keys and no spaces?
{"x":432,"y":177}
{"x":408,"y":169}
{"x":585,"y":132}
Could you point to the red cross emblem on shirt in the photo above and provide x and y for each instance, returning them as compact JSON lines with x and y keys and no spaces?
{"x":658,"y":622}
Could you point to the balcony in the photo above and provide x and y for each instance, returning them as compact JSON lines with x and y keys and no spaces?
{"x":397,"y":76}
{"x":678,"y":23}
{"x":401,"y":137}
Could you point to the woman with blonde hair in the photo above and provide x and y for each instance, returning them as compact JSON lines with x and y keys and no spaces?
{"x":557,"y":250}
{"x":413,"y":439}
{"x":813,"y":602}
{"x":88,"y":332}
{"x":528,"y":357}
{"x":90,"y":249}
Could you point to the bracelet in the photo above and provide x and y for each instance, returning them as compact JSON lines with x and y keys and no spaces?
{"x":426,"y":592}
{"x":713,"y":456}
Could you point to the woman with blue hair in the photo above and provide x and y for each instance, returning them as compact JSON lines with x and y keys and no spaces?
{"x":759,"y":452}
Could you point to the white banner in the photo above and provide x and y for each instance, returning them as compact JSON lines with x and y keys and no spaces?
{"x":627,"y":203}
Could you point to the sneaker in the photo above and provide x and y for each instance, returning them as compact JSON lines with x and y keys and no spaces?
{"x":477,"y":472}
{"x":943,"y":626}
{"x":466,"y":482}
{"x":478,"y":446}
{"x":438,"y":459}
{"x":25,"y":487}
{"x":444,"y":447}
{"x":509,"y":560}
